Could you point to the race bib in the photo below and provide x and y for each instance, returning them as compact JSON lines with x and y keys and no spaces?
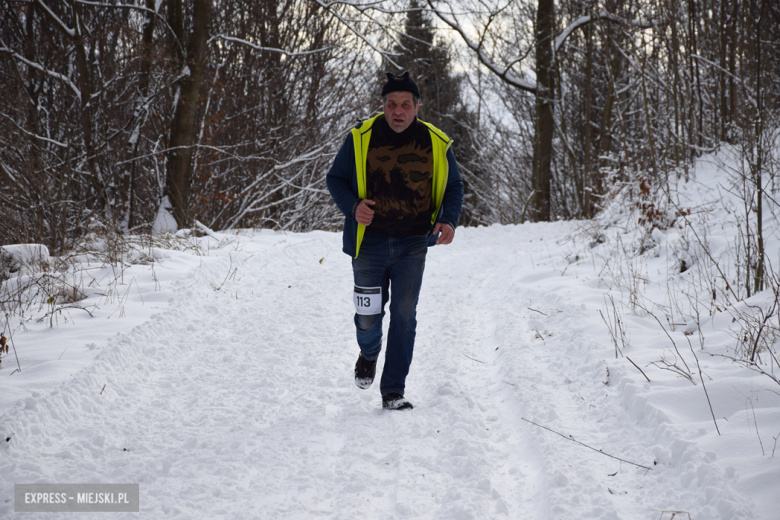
{"x":367,"y":300}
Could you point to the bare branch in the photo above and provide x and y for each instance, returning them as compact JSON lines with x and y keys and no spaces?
{"x":271,"y":49}
{"x":585,"y":20}
{"x":352,"y":28}
{"x":43,"y":69}
{"x":505,"y":73}
{"x":46,"y":139}
{"x":570,"y":438}
{"x":56,"y":19}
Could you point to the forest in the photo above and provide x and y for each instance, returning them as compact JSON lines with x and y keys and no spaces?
{"x":228,"y":112}
{"x":613,"y":290}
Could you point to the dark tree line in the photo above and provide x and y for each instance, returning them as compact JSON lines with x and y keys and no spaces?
{"x":606,"y":92}
{"x":221,"y":111}
{"x":229,"y":111}
{"x":430,"y":60}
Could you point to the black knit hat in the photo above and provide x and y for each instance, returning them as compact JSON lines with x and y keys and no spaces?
{"x":400,"y":84}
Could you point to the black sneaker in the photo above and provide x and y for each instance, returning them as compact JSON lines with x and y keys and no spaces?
{"x":365,"y":370}
{"x":394,"y":401}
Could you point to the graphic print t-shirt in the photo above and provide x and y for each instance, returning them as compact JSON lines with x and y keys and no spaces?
{"x":399,"y":179}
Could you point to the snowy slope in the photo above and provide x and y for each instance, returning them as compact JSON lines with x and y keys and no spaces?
{"x":225,"y":389}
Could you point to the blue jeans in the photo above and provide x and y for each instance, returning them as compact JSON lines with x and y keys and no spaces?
{"x":396,"y":265}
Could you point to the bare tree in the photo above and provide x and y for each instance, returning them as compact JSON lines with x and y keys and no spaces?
{"x":189,"y":44}
{"x":233,"y":108}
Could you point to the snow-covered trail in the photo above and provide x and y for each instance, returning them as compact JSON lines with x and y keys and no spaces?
{"x":524,"y":350}
{"x":238,"y":401}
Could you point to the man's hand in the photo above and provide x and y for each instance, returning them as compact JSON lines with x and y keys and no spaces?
{"x":447,"y":233}
{"x":363,"y":213}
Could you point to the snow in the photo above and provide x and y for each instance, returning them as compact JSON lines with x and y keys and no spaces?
{"x":165,"y":221}
{"x":220,"y":379}
{"x":17,"y":256}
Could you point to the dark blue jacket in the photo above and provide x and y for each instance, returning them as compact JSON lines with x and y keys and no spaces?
{"x":343,"y":187}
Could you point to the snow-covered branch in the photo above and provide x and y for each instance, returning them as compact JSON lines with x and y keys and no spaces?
{"x":36,"y":136}
{"x":604,"y":15}
{"x":56,"y":19}
{"x":220,"y":150}
{"x":307,"y":157}
{"x":371,"y":6}
{"x":43,"y":69}
{"x":270,"y":49}
{"x":119,"y":6}
{"x":505,"y":73}
{"x":352,"y":28}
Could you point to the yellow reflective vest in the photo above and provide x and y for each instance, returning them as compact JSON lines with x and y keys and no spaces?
{"x":441,"y":143}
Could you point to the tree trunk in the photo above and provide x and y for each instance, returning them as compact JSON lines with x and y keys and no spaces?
{"x":676,"y":91}
{"x":32,"y":76}
{"x":590,"y":178}
{"x":131,"y":149}
{"x":85,"y":87}
{"x":759,"y":152}
{"x":722,"y":51}
{"x":732,"y":64}
{"x":605,"y":133}
{"x":179,"y":155}
{"x":542,"y":173}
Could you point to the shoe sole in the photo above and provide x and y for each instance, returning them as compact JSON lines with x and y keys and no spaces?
{"x":399,"y":404}
{"x":363,"y":384}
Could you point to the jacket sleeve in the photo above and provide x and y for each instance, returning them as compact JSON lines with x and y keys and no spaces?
{"x":340,"y":179}
{"x":453,"y":194}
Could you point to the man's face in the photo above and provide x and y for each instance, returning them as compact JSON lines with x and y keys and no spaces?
{"x":400,"y":110}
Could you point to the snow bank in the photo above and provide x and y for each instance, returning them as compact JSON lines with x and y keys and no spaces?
{"x":13,"y":258}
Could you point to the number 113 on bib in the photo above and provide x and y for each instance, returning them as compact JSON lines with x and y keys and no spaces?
{"x":367,"y":300}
